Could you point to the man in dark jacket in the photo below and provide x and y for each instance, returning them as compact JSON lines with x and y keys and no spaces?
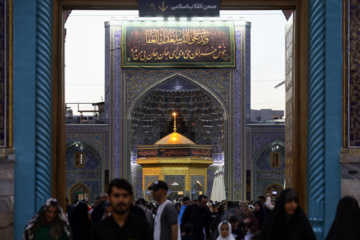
{"x":199,"y":216}
{"x":98,"y":212}
{"x":122,"y":224}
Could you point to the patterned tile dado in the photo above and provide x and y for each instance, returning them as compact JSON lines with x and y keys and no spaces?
{"x":353,"y":72}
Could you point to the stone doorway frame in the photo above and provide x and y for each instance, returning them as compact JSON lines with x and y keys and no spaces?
{"x":300,"y":92}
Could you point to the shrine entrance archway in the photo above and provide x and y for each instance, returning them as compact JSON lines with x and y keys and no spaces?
{"x":296,"y":105}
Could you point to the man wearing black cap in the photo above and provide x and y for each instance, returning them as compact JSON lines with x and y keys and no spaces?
{"x":166,"y":219}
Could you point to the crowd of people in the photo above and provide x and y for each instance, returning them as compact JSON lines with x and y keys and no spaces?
{"x":116,"y":215}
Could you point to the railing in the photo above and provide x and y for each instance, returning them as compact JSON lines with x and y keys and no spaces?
{"x":83,"y":113}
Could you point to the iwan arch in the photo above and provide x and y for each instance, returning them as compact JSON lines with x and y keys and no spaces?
{"x":315,"y":134}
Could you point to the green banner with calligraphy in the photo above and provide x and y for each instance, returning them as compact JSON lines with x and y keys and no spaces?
{"x":178,"y":44}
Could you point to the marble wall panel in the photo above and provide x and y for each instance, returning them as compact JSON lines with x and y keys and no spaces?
{"x":7,"y":187}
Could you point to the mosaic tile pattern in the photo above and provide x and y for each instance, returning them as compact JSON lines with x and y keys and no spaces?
{"x":108,"y":95}
{"x":201,"y":179}
{"x":354,"y":74}
{"x":149,"y":179}
{"x":265,"y":136}
{"x":92,"y":159}
{"x":119,"y":166}
{"x":90,"y":174}
{"x":97,"y":136}
{"x":3,"y":74}
{"x":263,"y":159}
{"x":138,"y":80}
{"x":169,"y":179}
{"x":139,"y":182}
{"x":237,"y":105}
{"x":259,"y":140}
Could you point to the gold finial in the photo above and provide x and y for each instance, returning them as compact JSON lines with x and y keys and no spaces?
{"x":174,"y":114}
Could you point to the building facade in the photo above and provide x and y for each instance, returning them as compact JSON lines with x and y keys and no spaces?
{"x":324,"y":129}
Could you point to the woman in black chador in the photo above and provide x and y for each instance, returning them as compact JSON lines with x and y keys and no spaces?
{"x":287,"y":221}
{"x":259,"y":213}
{"x":346,"y":224}
{"x":80,"y":222}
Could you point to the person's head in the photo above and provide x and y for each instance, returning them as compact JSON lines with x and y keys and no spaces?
{"x":258,"y":206}
{"x":178,"y":207}
{"x":224,"y":229}
{"x":195,"y":202}
{"x":140,"y":203}
{"x":103,"y":198}
{"x":80,"y":214}
{"x":214,"y":207}
{"x":237,"y":209}
{"x":291,"y":202}
{"x":221,"y":209}
{"x":251,"y":208}
{"x":230,"y":205}
{"x":150,"y":206}
{"x":96,"y":201}
{"x":346,"y":222}
{"x":262,"y":199}
{"x":202,"y":201}
{"x":188,"y":229}
{"x":186,"y":201}
{"x":120,"y":196}
{"x":159,"y":190}
{"x":108,"y":209}
{"x":244,"y":208}
{"x":233,"y":222}
{"x":51,"y":213}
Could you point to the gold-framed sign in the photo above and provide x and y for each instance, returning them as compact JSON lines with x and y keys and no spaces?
{"x":178,"y":44}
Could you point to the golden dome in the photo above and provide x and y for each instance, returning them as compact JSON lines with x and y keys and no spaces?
{"x":174,"y":138}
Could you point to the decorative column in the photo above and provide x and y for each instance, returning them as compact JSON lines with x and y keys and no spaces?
{"x":316,"y":116}
{"x":43,"y":99}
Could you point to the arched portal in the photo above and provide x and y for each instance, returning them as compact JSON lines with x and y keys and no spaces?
{"x":176,"y":191}
{"x":83,"y":164}
{"x":78,"y":192}
{"x":148,"y":195}
{"x":196,"y":190}
{"x":268,"y":167}
{"x":201,"y":117}
{"x":274,"y":188}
